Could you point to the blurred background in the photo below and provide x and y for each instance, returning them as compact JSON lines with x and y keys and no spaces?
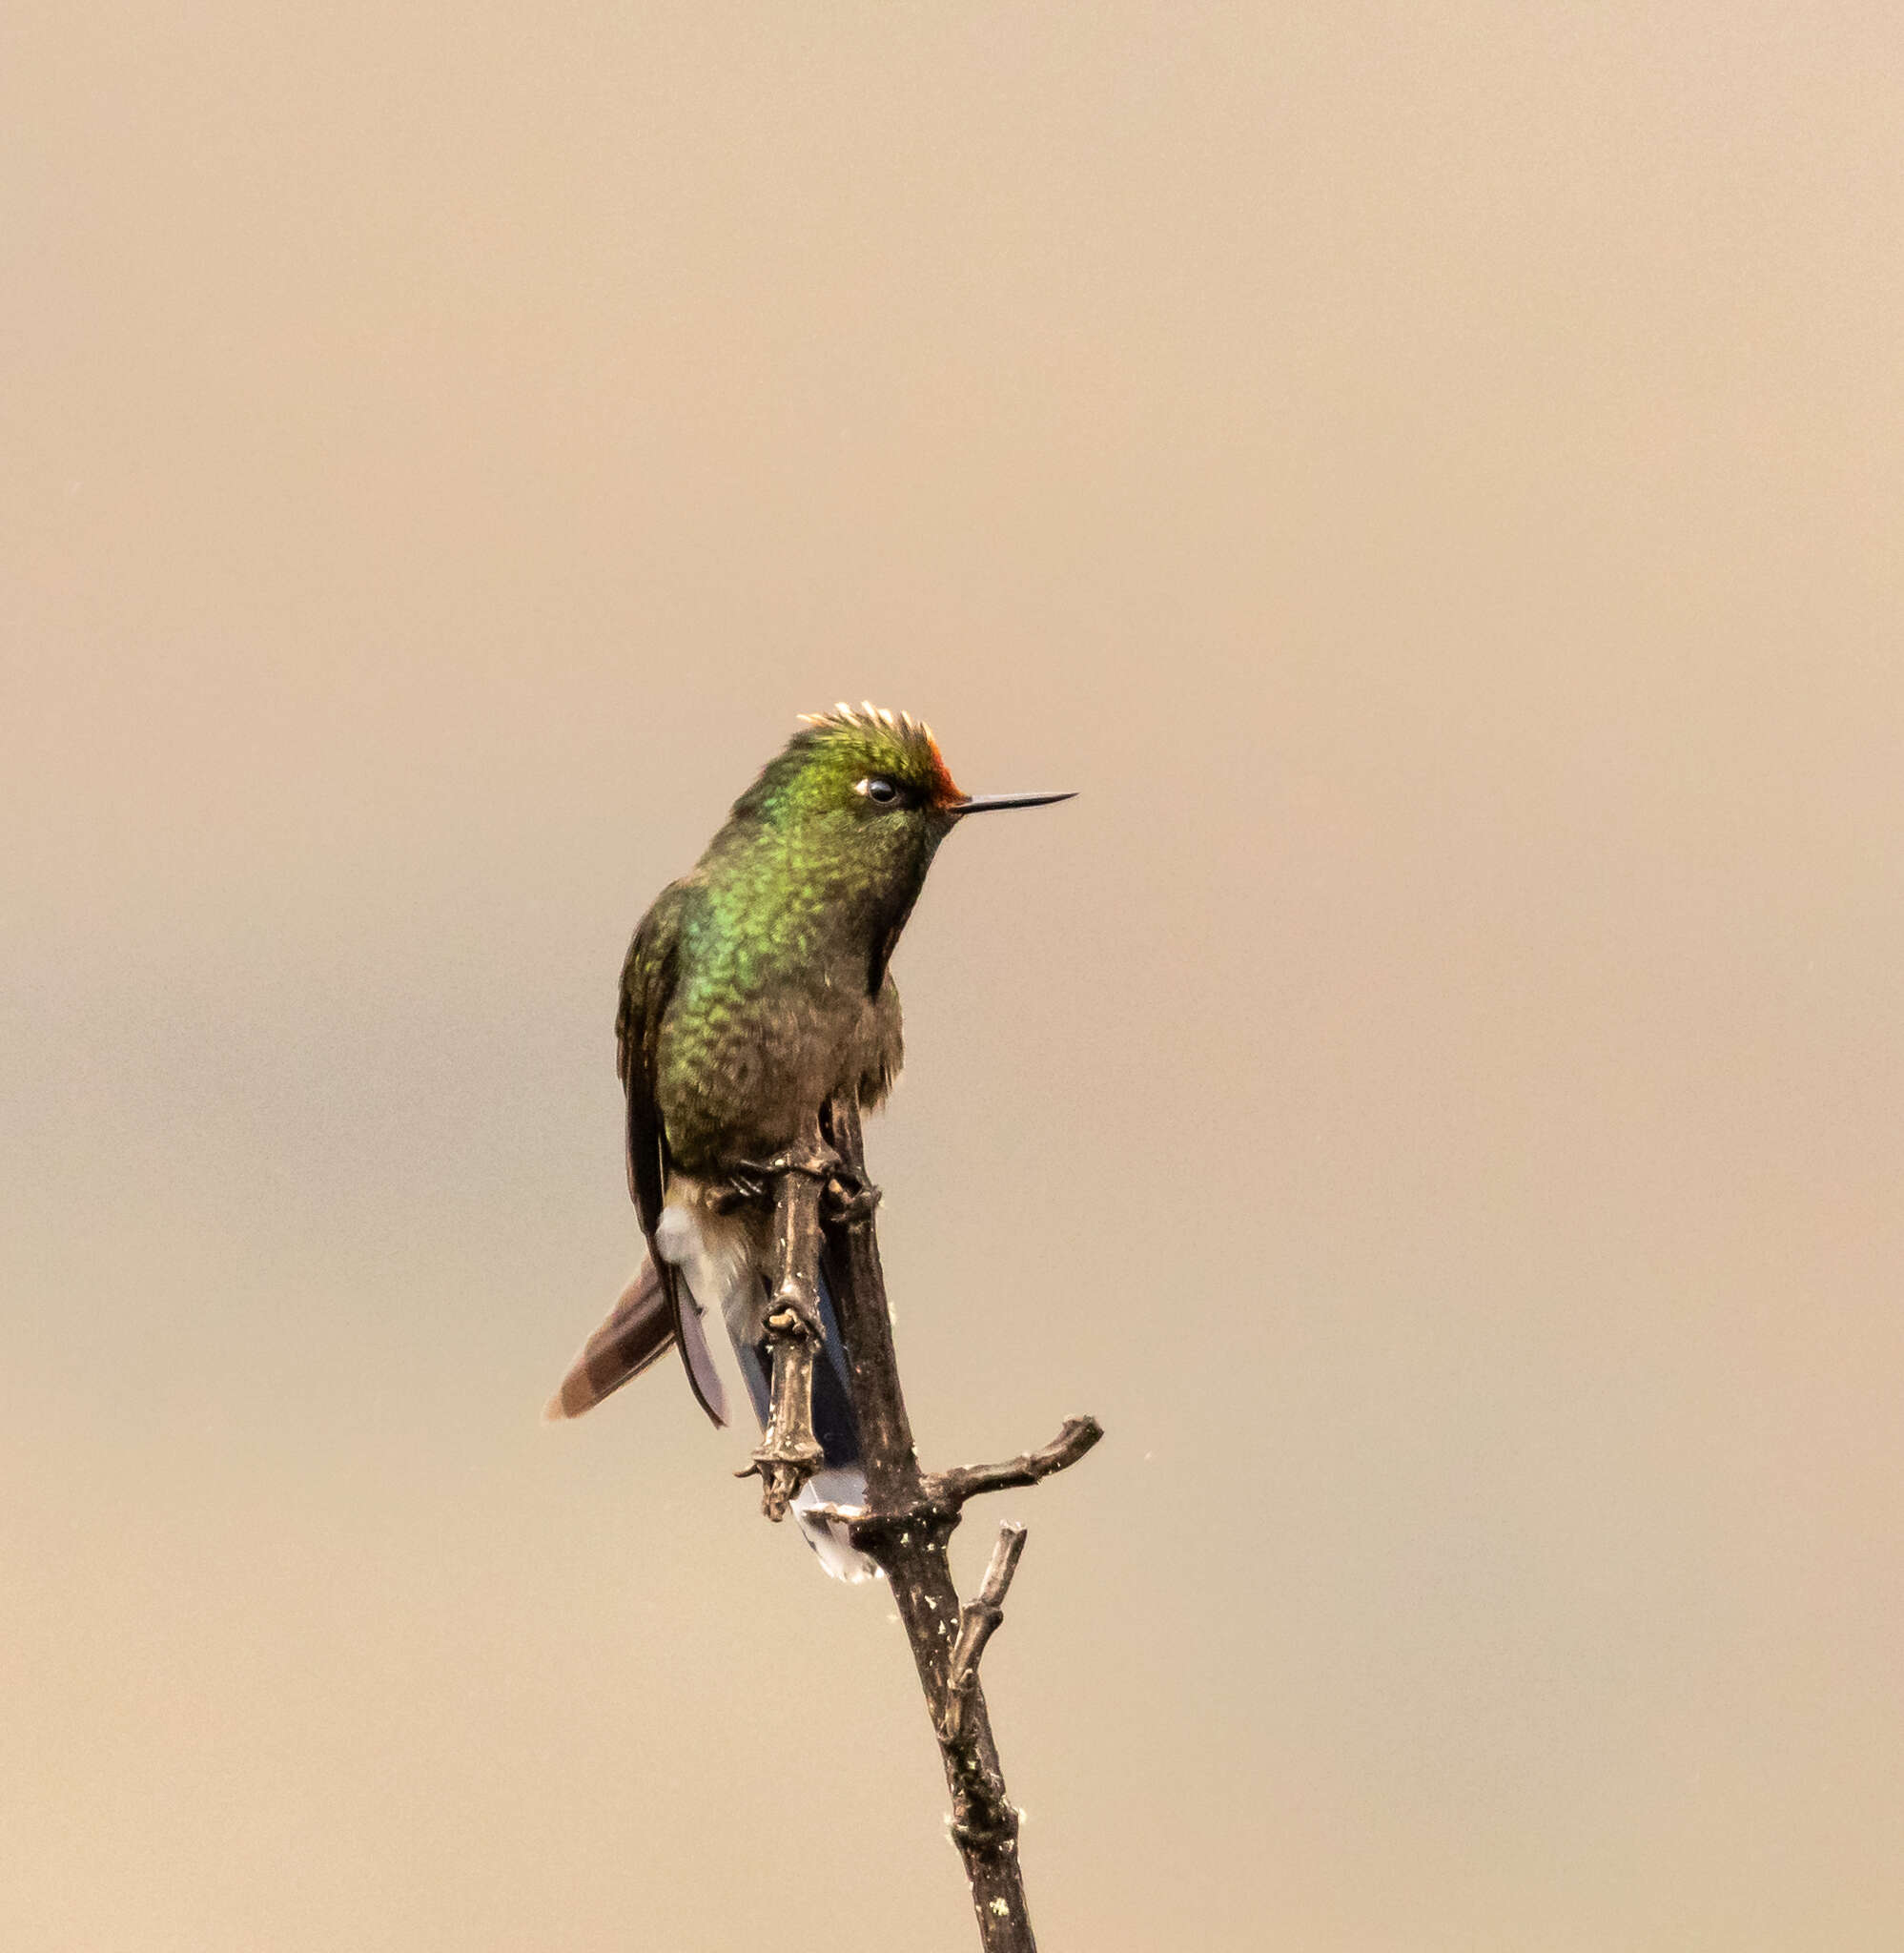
{"x":1431,"y":478}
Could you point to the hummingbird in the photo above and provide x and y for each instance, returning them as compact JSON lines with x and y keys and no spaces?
{"x":756,"y":989}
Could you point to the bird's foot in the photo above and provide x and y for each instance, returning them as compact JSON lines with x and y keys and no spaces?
{"x":752,"y":1183}
{"x":847,"y":1196}
{"x":789,"y":1449}
{"x":783,"y":1465}
{"x":795,"y":1315}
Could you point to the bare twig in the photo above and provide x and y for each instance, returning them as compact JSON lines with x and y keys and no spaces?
{"x":979,"y":1620}
{"x":943,"y":1493}
{"x":966,"y":1481}
{"x":904,"y":1525}
{"x":789,"y":1453}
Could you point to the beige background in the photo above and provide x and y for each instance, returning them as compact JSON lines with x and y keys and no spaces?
{"x":1431,"y":476}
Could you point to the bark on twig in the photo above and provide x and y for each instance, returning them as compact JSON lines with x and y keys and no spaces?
{"x":789,"y":1453}
{"x":904,"y":1525}
{"x":979,"y":1620}
{"x":966,"y":1481}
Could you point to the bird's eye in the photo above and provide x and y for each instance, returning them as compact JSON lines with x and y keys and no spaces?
{"x":883,"y":792}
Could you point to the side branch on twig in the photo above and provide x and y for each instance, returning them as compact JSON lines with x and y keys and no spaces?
{"x":966,"y":1481}
{"x":978,"y":1621}
{"x":942,"y":1494}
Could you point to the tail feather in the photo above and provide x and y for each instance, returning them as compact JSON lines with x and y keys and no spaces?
{"x":837,"y":1485}
{"x":639,"y":1331}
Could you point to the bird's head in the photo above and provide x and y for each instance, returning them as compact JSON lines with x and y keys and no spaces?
{"x":872,"y":788}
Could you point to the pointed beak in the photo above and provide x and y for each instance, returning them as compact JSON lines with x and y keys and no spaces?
{"x":992,"y":803}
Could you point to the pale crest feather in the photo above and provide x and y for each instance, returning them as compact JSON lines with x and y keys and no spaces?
{"x":868,"y":717}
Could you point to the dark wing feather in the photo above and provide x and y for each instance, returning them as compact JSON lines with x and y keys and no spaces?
{"x":647,"y":988}
{"x":648,"y":979}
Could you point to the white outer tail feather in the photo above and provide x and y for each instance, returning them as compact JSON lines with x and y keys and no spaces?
{"x":839,"y":1484}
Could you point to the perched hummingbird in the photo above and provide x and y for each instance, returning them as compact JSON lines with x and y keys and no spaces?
{"x":756,"y":989}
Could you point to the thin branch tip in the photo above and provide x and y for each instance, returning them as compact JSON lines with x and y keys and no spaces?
{"x":1077,"y":1435}
{"x":1004,"y":1563}
{"x":979,"y":1619}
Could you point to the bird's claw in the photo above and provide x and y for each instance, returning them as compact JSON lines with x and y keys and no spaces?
{"x":849,"y":1196}
{"x":783,"y":1468}
{"x":751,"y":1182}
{"x":795,"y":1316}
